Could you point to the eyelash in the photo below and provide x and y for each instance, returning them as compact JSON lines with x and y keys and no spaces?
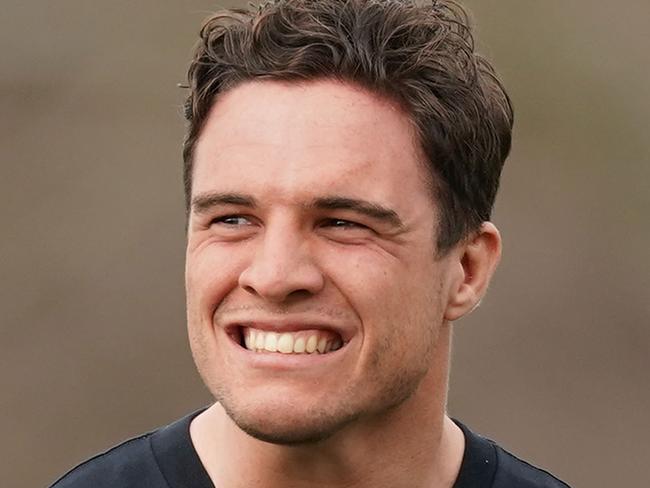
{"x":224,"y":218}
{"x":346,"y":223}
{"x":327,"y":222}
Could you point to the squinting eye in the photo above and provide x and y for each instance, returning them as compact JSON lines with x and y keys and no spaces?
{"x":343,"y":224}
{"x":231,"y":220}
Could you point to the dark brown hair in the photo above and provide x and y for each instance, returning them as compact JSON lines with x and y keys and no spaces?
{"x":420,"y":56}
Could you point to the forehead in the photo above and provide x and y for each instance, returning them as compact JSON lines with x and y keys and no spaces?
{"x":322,"y":136}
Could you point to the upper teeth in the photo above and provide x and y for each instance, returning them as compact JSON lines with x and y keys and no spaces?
{"x":304,"y":341}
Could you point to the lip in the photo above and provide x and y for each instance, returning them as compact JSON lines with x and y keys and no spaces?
{"x":275,"y":361}
{"x":279,"y":362}
{"x":290,"y":323}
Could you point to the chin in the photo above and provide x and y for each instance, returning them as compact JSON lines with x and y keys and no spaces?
{"x":287,"y":423}
{"x":288,"y":435}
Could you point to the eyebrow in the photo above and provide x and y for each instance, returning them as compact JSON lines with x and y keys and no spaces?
{"x":370,"y":209}
{"x":205,"y":201}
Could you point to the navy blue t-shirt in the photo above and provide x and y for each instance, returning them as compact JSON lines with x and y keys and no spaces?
{"x":166,"y":458}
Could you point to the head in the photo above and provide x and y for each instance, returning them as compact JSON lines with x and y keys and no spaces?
{"x":341,"y":163}
{"x":418,"y":55}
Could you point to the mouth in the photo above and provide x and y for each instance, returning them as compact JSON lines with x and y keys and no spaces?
{"x":297,"y":342}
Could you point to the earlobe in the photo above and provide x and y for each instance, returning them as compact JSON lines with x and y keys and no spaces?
{"x":476,"y":262}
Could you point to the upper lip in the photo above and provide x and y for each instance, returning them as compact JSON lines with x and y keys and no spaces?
{"x":286,"y":323}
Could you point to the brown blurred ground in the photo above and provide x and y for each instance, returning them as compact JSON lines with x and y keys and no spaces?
{"x":92,"y":341}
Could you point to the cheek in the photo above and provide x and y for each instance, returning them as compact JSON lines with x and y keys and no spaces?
{"x":210,"y":274}
{"x":399,"y":306}
{"x":372,"y":287}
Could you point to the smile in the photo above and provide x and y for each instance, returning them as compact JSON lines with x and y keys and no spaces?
{"x":296,"y":342}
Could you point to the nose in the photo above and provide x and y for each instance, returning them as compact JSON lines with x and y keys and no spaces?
{"x":282,"y":267}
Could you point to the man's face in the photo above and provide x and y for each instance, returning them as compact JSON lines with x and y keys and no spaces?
{"x":311,"y":227}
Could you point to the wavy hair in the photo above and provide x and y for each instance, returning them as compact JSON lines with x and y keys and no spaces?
{"x":419,"y":55}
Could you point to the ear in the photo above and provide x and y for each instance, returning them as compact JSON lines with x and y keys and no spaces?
{"x":476,"y":259}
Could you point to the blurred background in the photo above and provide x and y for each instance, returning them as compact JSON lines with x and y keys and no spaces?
{"x":554,"y":365}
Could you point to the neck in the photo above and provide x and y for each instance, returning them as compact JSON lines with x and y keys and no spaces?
{"x":414,"y":445}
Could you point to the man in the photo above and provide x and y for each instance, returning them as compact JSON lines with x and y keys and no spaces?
{"x":341,"y":164}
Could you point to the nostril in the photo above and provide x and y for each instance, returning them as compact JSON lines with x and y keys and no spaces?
{"x":250,"y":289}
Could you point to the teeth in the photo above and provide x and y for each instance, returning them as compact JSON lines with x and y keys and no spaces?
{"x":285,"y":344}
{"x":271,"y":342}
{"x":299,"y":345}
{"x":311,"y":344}
{"x":301,"y":342}
{"x":259,"y":340}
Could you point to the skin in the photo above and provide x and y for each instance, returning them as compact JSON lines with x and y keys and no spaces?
{"x":310,"y":209}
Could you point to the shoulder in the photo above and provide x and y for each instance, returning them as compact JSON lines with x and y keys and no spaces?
{"x":485,"y":463}
{"x":162,"y":458}
{"x":126,"y":465}
{"x":513,"y":471}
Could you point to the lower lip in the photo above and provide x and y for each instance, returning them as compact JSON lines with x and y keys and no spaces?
{"x":284,"y":362}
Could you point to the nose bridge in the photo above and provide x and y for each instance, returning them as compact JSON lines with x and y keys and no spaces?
{"x":282,"y":250}
{"x":281,"y":264}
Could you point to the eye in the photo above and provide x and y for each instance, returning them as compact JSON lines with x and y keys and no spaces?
{"x":345,"y":226}
{"x":231,"y":221}
{"x":342,"y":224}
{"x":345,"y":231}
